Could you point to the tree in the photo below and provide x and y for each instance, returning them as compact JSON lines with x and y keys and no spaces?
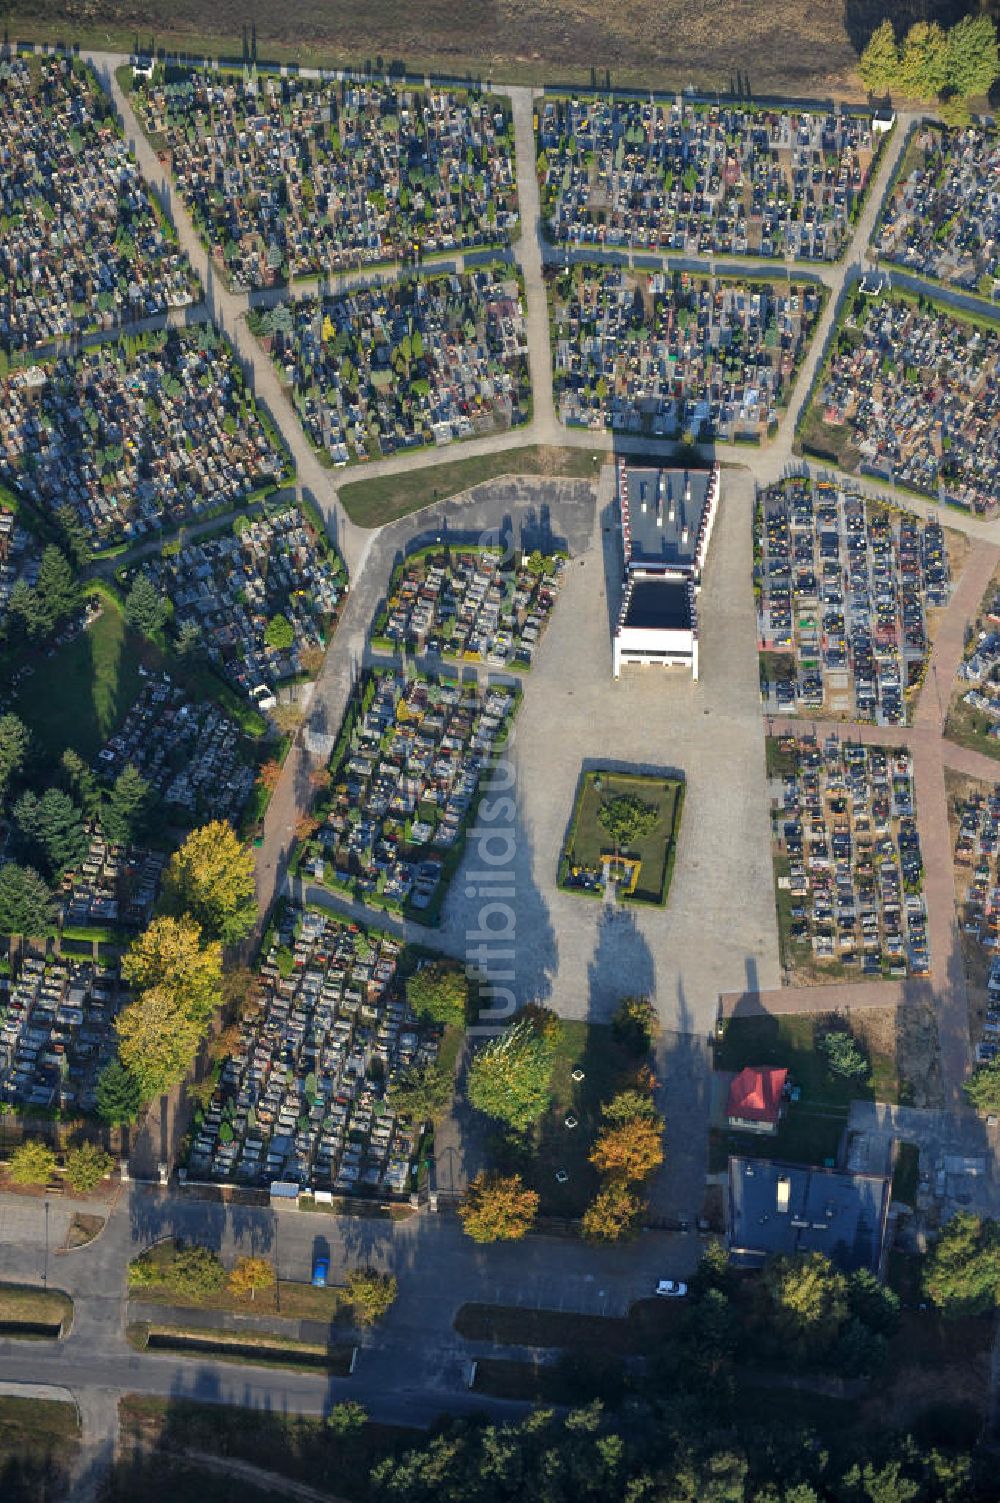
{"x":371,"y":1294}
{"x":923,"y":69}
{"x":269,"y":775}
{"x":169,"y":955}
{"x":189,"y":639}
{"x":74,"y":535}
{"x":805,"y":1303}
{"x":119,"y":1096}
{"x":983,"y":1087}
{"x":973,"y":56}
{"x":498,"y":1208}
{"x":439,"y":993}
{"x":630,"y":1151}
{"x":81,"y":783}
{"x":614,"y":1214}
{"x":879,"y":67}
{"x":509,"y":1077}
{"x":52,"y":825}
{"x":26,"y":904}
{"x":843,"y":1054}
{"x":627,"y":818}
{"x":279,"y":634}
{"x":250,"y":1274}
{"x":126,"y":810}
{"x":145,"y":608}
{"x":194,"y":1271}
{"x":635,"y":1023}
{"x":962,"y":1272}
{"x":421,"y":1092}
{"x":86,"y":1165}
{"x":32,"y":1163}
{"x":627,"y":1106}
{"x":14,"y":741}
{"x":211,"y":877}
{"x":57,"y":594}
{"x":347,"y":1419}
{"x":157,"y":1041}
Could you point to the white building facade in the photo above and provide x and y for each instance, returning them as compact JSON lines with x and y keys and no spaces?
{"x":667,"y":517}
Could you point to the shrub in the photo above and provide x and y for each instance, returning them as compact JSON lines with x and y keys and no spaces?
{"x":32,"y":1163}
{"x":87,"y":1165}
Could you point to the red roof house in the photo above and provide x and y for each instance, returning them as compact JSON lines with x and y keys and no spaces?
{"x":755,"y":1098}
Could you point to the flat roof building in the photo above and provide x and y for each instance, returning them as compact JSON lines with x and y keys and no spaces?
{"x":777,"y":1208}
{"x":667,"y":517}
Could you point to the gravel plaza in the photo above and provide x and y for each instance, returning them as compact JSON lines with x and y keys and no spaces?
{"x":580,"y":957}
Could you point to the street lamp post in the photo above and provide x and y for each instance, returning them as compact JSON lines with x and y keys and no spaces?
{"x":45,"y":1268}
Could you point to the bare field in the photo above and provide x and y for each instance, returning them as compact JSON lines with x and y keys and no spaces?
{"x":798,"y":45}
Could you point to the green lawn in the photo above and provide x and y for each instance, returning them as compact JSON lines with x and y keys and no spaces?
{"x":27,"y":1305}
{"x":970,"y":728}
{"x":607,"y":1068}
{"x":78,"y":697}
{"x":372,"y":503}
{"x":588,"y":841}
{"x":811,"y":1128}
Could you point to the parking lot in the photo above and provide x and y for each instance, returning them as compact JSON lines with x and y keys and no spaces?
{"x":847,"y":594}
{"x":848,"y":866}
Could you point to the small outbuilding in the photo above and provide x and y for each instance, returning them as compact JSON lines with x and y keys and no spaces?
{"x":755,"y":1100}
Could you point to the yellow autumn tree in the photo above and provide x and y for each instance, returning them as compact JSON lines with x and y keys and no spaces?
{"x":629,"y":1151}
{"x":157,"y":1040}
{"x":498,"y":1208}
{"x":613,"y":1215}
{"x":211,"y":878}
{"x":250,"y":1274}
{"x":170,"y":955}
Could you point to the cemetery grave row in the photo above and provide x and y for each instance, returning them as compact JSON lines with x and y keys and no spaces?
{"x":848,"y":861}
{"x":942,"y":219}
{"x":703,"y":179}
{"x":302,"y":1098}
{"x":912,"y":393}
{"x":471,"y":604}
{"x":405,"y":781}
{"x":425,"y":360}
{"x":674,"y":354}
{"x":263,"y":594}
{"x":843,"y":587}
{"x":289,"y":177}
{"x":137,"y":436}
{"x":82,"y":245}
{"x":56,"y":1033}
{"x":188,"y":752}
{"x":977,"y":840}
